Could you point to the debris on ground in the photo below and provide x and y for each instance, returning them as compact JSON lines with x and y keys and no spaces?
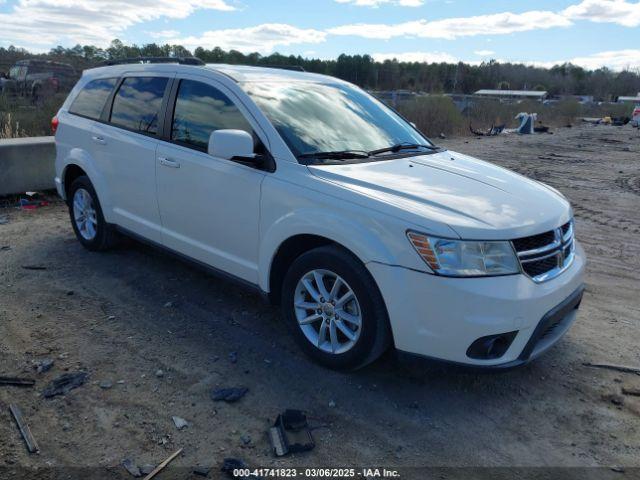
{"x":617,"y":400}
{"x":291,"y":434}
{"x":492,"y":132}
{"x":180,"y":423}
{"x":147,"y":469}
{"x":130,"y":466}
{"x":64,"y":384}
{"x":161,"y":467}
{"x":106,"y":384}
{"x":634,"y":392}
{"x":527,"y":122}
{"x":159,"y":373}
{"x":25,"y":431}
{"x":229,"y":395}
{"x":233,"y":357}
{"x":43,"y":365}
{"x":27,"y":204}
{"x":201,"y":471}
{"x":17,"y":381}
{"x":34,"y":267}
{"x":619,"y":368}
{"x":4,"y":219}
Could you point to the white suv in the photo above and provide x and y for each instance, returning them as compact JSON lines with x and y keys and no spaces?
{"x":316,"y":194}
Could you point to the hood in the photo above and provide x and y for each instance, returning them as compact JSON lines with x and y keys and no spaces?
{"x":478,"y":200}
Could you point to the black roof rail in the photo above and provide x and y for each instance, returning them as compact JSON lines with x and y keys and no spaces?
{"x":180,"y":60}
{"x":295,"y":68}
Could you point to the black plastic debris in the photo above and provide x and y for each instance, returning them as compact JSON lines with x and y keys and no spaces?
{"x":64,"y":384}
{"x":291,"y":434}
{"x":228,"y":395}
{"x":130,"y":466}
{"x":201,"y":471}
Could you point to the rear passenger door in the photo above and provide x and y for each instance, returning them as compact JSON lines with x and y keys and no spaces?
{"x":209,"y":206}
{"x":125,"y":151}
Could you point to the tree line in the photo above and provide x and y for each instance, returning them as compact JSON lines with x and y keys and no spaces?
{"x":363,"y":70}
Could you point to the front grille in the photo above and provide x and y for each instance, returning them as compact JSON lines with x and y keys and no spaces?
{"x":546,"y":255}
{"x":535,"y":241}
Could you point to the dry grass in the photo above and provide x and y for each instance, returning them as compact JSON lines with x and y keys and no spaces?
{"x":20,"y":118}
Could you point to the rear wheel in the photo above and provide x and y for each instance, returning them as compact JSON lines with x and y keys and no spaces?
{"x":334,"y":309}
{"x":89,"y":225}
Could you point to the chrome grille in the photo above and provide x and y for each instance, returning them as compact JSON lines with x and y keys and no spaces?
{"x":546,"y":255}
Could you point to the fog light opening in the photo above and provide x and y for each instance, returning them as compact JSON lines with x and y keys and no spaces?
{"x":491,"y":346}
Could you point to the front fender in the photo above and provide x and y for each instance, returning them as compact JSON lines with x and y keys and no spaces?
{"x":352,"y":235}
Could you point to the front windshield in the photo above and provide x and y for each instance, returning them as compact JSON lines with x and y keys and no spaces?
{"x":314,"y":117}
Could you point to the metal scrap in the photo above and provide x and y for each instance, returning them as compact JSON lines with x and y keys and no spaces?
{"x":25,"y":431}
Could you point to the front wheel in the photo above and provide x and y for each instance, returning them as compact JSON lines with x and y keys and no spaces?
{"x":334,"y":309}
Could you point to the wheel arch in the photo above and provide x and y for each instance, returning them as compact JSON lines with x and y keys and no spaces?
{"x":299,"y":232}
{"x":70,"y":173}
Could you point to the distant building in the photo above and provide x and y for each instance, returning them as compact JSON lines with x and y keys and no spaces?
{"x":635,"y":99}
{"x":512,"y":94}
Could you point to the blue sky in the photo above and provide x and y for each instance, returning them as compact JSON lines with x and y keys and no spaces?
{"x":591,"y":33}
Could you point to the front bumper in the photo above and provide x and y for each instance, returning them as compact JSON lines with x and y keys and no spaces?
{"x":441,"y":317}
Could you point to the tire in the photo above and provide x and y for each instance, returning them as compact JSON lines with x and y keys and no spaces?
{"x":372,"y":337}
{"x":95,"y":233}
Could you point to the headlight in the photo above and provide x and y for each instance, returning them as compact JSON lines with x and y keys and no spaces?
{"x":460,"y":258}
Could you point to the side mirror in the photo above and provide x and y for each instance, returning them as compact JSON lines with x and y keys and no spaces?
{"x":231,"y":145}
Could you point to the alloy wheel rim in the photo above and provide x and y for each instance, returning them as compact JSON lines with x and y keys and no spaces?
{"x":327,"y":311}
{"x":84,"y":214}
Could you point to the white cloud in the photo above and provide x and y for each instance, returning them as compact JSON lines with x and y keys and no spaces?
{"x":614,"y":59}
{"x":426,"y":57}
{"x":53,"y":22}
{"x":606,"y":11}
{"x":263,"y":38}
{"x":377,"y":3}
{"x":164,"y":34}
{"x":452,"y":28}
{"x":484,"y":53}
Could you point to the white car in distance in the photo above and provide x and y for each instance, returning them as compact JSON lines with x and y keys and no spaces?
{"x":332,"y":205}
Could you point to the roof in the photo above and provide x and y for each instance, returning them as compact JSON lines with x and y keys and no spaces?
{"x":238,"y":73}
{"x":513,"y":93}
{"x":246,"y":73}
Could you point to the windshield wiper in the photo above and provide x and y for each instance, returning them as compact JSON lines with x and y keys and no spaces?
{"x":337,"y":155}
{"x":402,"y":146}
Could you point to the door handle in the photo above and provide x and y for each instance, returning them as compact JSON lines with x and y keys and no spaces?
{"x":167,"y":162}
{"x":99,"y":140}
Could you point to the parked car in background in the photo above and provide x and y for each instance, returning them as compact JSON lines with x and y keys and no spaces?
{"x":37,"y":79}
{"x":312,"y":192}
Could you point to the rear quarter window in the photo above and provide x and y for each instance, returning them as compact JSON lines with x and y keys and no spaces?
{"x":136,"y":106}
{"x":91,"y":99}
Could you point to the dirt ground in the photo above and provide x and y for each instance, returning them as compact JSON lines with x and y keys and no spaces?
{"x":123,"y":315}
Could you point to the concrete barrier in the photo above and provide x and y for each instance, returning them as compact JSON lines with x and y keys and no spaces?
{"x":27,"y":164}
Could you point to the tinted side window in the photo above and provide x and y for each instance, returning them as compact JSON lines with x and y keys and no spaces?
{"x":200,"y":109}
{"x":91,"y":99}
{"x":136,"y":106}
